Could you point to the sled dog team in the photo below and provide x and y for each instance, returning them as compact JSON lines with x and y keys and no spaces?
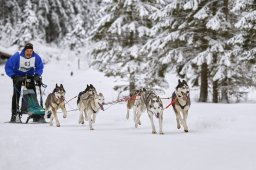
{"x":89,"y":103}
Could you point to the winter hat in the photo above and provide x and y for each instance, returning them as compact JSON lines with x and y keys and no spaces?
{"x":28,"y":46}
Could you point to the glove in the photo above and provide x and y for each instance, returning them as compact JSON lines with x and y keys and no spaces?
{"x":18,"y":79}
{"x":38,"y":79}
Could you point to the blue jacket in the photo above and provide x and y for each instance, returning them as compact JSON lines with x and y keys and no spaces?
{"x":17,"y":64}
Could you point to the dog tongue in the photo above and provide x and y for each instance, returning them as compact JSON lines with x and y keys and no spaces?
{"x":184,"y":97}
{"x":62,"y":99}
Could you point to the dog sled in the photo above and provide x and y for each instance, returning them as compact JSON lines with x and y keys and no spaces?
{"x":29,"y":104}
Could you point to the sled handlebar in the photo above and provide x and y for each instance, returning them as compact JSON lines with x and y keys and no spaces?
{"x":28,"y":79}
{"x":41,"y":84}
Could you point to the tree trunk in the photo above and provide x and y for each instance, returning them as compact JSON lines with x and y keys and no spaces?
{"x":225,"y":9}
{"x":215,"y":83}
{"x":224,"y":96}
{"x":224,"y":84}
{"x":204,"y":83}
{"x":224,"y":92}
{"x":215,"y":86}
{"x":215,"y":94}
{"x":132,"y":84}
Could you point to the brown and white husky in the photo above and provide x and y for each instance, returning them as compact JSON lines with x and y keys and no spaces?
{"x":54,"y":101}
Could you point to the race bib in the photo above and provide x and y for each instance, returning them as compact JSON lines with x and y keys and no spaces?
{"x":26,"y":64}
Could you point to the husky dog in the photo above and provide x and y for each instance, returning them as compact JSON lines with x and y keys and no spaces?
{"x":130,"y":103}
{"x":149,"y":101}
{"x":181,"y":104}
{"x":89,"y":107}
{"x":90,"y":90}
{"x":54,"y":101}
{"x":84,"y":95}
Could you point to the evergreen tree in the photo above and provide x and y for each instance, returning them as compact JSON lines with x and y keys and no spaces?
{"x":27,"y":26}
{"x":81,"y":24}
{"x":118,"y":38}
{"x":171,"y":46}
{"x":42,"y":12}
{"x":244,"y":40}
{"x":76,"y":37}
{"x":192,"y":37}
{"x":9,"y":13}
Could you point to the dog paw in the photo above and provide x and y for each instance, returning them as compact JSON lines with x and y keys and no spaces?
{"x":91,"y":129}
{"x":58,"y":125}
{"x":154,"y":132}
{"x":139,"y":122}
{"x":64,"y":116}
{"x":186,"y":131}
{"x":161,"y":133}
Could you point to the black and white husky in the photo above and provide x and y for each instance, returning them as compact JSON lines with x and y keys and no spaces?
{"x":181,"y":104}
{"x":150,"y":102}
{"x":54,"y":101}
{"x":89,"y":104}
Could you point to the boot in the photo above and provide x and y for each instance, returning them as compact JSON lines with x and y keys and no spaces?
{"x":35,"y":119}
{"x":42,"y":120}
{"x":39,"y":119}
{"x":13,"y":118}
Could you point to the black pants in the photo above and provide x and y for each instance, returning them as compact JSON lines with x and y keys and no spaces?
{"x":17,"y":92}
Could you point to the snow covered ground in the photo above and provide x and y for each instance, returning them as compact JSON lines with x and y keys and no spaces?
{"x":221,"y":136}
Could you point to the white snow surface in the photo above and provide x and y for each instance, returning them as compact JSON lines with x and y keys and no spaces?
{"x":221,"y":136}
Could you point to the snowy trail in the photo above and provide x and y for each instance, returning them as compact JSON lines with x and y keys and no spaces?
{"x":221,"y":135}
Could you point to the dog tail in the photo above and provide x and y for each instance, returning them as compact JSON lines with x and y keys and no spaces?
{"x":79,"y":95}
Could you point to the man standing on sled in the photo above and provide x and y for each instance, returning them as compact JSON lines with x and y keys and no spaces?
{"x":20,"y":66}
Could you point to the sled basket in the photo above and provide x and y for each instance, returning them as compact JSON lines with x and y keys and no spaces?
{"x":30,"y":104}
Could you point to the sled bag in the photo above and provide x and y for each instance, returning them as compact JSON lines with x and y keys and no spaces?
{"x":29,"y":104}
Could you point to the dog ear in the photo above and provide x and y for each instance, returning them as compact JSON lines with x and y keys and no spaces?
{"x":179,"y":81}
{"x":61,"y":85}
{"x":184,"y":81}
{"x":56,"y":85}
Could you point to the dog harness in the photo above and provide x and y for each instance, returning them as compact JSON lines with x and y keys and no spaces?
{"x":56,"y":101}
{"x":93,"y":110}
{"x":174,"y":96}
